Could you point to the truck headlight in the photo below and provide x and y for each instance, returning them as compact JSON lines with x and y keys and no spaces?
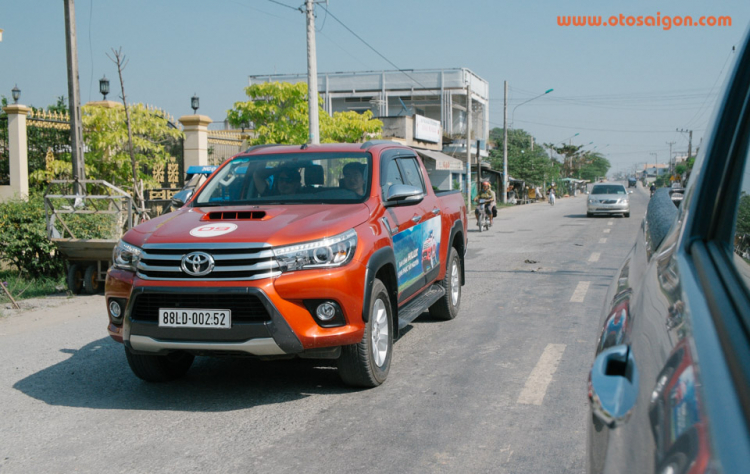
{"x":126,"y":256}
{"x":326,"y":253}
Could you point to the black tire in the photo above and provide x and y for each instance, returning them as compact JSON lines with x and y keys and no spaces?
{"x":358,"y":365}
{"x":588,"y":214}
{"x":627,"y":214}
{"x":75,"y":278}
{"x":159,"y":368}
{"x":91,"y":282}
{"x":446,"y":308}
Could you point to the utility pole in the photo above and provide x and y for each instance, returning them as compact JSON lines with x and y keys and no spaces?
{"x":479,"y":169}
{"x":74,"y":97}
{"x":505,"y":145}
{"x":468,"y":147}
{"x":312,"y":75}
{"x":690,"y":140}
{"x":670,"y":156}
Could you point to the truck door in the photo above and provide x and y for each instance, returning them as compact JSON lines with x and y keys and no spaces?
{"x":414,"y":174}
{"x":405,"y":223}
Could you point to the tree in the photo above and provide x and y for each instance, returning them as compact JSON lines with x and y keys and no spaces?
{"x":532,"y":166}
{"x":106,"y":137}
{"x":278,"y":112}
{"x":592,"y":166}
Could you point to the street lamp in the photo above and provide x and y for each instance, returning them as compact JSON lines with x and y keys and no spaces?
{"x":16,"y":94}
{"x":104,"y":87}
{"x":194,"y":103}
{"x":512,"y":116}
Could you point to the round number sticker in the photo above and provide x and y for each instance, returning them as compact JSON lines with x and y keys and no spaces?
{"x":213,"y":230}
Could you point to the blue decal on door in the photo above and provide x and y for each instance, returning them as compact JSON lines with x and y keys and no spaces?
{"x":417,"y":251}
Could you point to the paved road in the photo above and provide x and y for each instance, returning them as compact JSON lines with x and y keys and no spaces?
{"x":500,"y":389}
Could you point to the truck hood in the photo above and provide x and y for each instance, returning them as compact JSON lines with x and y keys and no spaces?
{"x":277,"y":225}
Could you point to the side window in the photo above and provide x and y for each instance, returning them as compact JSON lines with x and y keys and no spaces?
{"x":412,"y":174}
{"x":392,"y":176}
{"x":742,"y":229}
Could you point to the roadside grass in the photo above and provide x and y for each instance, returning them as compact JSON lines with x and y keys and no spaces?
{"x":24,"y":288}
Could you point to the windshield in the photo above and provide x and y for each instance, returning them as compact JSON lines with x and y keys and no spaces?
{"x":609,"y":189}
{"x":304,"y":178}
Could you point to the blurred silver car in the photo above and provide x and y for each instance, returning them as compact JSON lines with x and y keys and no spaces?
{"x":606,"y":198}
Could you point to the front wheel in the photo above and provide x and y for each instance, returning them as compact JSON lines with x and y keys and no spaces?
{"x":91,"y":282}
{"x":75,"y":278}
{"x":159,"y":368}
{"x":627,"y":214}
{"x":446,"y":308}
{"x":367,"y":363}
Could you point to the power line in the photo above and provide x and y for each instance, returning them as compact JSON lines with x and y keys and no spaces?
{"x":712,"y":87}
{"x":403,"y":71}
{"x":288,"y":6}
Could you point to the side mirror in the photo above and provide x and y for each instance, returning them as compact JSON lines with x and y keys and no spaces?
{"x":180,"y":198}
{"x":403,"y":195}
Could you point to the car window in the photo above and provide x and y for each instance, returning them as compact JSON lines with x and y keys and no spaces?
{"x":392,"y":176}
{"x":741,"y":257}
{"x":290,"y":178}
{"x":412,"y":175}
{"x":609,"y":189}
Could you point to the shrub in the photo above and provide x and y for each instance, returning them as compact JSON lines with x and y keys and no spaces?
{"x":23,"y":238}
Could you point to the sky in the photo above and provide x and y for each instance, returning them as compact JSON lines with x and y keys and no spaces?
{"x":624,"y":90}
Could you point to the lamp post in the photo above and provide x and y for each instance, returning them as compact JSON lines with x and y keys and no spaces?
{"x":16,"y":94}
{"x":104,"y":87}
{"x":194,"y":103}
{"x":512,"y":116}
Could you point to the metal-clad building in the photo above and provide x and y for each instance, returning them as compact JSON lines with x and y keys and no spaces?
{"x":439,"y":94}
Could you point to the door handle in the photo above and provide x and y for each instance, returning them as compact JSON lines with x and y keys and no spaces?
{"x":416,"y":219}
{"x":613,"y":385}
{"x":436,"y":211}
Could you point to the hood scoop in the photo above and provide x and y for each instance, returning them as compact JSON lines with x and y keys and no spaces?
{"x":235,"y":216}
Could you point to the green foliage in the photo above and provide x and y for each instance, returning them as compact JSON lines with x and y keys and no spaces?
{"x":107,"y":155}
{"x":278,"y":111}
{"x":23,"y":235}
{"x":23,"y":287}
{"x":532,"y":166}
{"x":23,"y":238}
{"x":593,"y":166}
{"x":681,"y":169}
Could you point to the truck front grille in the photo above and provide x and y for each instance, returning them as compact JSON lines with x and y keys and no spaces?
{"x":232,"y":261}
{"x":245,"y":308}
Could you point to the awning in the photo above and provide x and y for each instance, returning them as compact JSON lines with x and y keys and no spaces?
{"x":442,"y":161}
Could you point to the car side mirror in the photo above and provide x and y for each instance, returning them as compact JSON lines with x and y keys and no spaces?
{"x":181,"y":197}
{"x":403,"y":195}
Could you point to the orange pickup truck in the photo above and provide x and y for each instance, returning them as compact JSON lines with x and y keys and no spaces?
{"x":320,"y":251}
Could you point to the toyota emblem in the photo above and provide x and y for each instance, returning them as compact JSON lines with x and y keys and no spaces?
{"x":197,"y":264}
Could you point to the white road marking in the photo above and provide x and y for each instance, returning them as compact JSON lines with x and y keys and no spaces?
{"x":536,"y":385}
{"x":603,"y":241}
{"x":607,"y":231}
{"x":580,"y":292}
{"x":594,"y":257}
{"x":611,"y":223}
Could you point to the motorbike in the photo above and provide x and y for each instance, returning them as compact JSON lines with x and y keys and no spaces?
{"x":652,"y":194}
{"x":483,"y":222}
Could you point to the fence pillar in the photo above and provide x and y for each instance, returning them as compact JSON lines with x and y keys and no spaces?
{"x":196,"y":139}
{"x":18,"y":153}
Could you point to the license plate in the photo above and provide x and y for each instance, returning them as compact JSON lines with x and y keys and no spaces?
{"x":195,"y":318}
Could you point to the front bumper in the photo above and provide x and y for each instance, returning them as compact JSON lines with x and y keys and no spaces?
{"x":606,"y":208}
{"x":278,"y":322}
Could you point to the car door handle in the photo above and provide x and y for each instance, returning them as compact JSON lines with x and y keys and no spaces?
{"x":613,"y":385}
{"x":436,"y":211}
{"x":416,"y":219}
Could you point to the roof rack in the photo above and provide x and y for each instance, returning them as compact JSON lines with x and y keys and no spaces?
{"x":372,"y":143}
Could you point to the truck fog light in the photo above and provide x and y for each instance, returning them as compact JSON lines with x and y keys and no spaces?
{"x":326,"y":311}
{"x":114,"y":308}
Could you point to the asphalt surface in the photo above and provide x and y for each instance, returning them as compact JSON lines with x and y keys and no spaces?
{"x":501,"y":389}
